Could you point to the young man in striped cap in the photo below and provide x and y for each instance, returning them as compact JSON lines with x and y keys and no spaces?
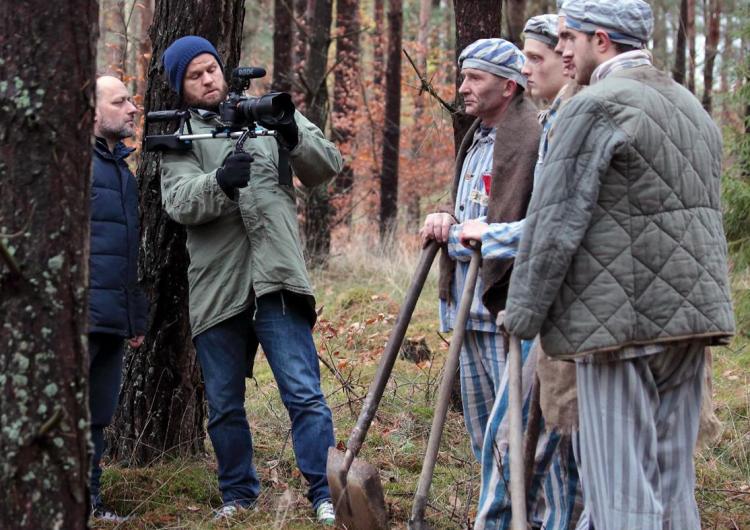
{"x":623,"y":267}
{"x":492,"y":186}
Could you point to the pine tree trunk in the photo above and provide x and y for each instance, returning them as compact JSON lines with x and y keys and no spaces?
{"x":691,"y":46}
{"x":46,"y":123}
{"x":391,"y":130}
{"x":162,"y":406}
{"x":283,"y":52}
{"x":144,"y":46}
{"x":678,"y":70}
{"x":318,"y":205}
{"x":413,"y":210}
{"x":346,"y":87}
{"x":516,"y":21}
{"x":475,"y":19}
{"x":660,"y":37}
{"x":713,"y":34}
{"x":378,"y":52}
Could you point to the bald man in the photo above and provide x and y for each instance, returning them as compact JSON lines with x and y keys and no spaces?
{"x":117,"y":306}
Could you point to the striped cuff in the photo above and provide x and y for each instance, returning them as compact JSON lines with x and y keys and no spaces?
{"x":501,"y":240}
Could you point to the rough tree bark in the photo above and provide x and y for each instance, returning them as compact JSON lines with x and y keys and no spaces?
{"x":713,"y":34}
{"x":475,"y":19}
{"x":678,"y":70}
{"x":391,"y":130}
{"x":317,"y":226}
{"x":46,"y":129}
{"x":162,"y":401}
{"x":283,"y":51}
{"x":516,"y":21}
{"x":346,"y":84}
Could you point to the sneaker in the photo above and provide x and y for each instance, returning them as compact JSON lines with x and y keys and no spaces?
{"x":101,"y":512}
{"x":325,"y":513}
{"x":228,"y":511}
{"x":232,"y":510}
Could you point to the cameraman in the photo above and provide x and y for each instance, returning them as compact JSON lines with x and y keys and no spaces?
{"x":248,"y":282}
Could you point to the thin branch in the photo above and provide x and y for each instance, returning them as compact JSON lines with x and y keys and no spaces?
{"x":9,"y":260}
{"x":50,"y":424}
{"x":349,"y":34}
{"x":22,"y":231}
{"x":427,"y":87}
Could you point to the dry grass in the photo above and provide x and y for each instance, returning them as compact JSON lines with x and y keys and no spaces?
{"x":360,"y":294}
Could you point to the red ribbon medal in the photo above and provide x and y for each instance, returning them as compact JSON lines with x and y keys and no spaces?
{"x":487,"y":179}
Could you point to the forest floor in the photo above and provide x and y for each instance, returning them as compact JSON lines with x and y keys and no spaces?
{"x":360,"y":295}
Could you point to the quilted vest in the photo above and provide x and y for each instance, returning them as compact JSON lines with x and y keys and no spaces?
{"x":627,"y":245}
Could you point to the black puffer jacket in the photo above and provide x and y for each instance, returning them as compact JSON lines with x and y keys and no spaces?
{"x":116,"y":303}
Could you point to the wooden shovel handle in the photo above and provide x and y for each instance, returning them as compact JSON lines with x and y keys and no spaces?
{"x":389,"y":355}
{"x":515,"y":436}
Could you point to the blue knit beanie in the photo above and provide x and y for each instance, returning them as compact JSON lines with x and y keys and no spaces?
{"x":178,"y":56}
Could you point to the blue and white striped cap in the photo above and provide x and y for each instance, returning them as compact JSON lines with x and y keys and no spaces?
{"x":542,"y":28}
{"x":496,"y":56}
{"x":560,"y":9}
{"x":625,"y":21}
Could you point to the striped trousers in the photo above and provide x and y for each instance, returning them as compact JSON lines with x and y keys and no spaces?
{"x":638,"y":425}
{"x":484,"y":390}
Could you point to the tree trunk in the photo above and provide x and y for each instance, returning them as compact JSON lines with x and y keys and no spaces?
{"x":282,"y":49}
{"x":378,"y":54}
{"x":413,"y":210}
{"x":678,"y":71}
{"x":162,"y":401}
{"x":475,"y":19}
{"x":144,"y":46}
{"x":660,"y":37}
{"x":46,"y":95}
{"x":691,"y":46}
{"x":391,"y":130}
{"x":516,"y":21}
{"x":713,"y":34}
{"x":318,"y":206}
{"x":346,"y":87}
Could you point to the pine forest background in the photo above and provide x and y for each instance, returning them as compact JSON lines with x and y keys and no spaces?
{"x":379,"y":77}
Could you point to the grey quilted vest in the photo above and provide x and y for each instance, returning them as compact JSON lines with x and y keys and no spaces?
{"x":624,"y":243}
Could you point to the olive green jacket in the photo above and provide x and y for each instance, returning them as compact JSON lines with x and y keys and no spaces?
{"x":250,"y":246}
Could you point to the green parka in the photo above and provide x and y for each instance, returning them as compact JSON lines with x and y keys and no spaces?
{"x":249,"y":247}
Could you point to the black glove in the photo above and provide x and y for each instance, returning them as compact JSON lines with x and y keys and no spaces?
{"x":235,"y":173}
{"x":289,"y":133}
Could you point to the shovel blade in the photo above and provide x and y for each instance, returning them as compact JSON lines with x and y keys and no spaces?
{"x":357,"y":495}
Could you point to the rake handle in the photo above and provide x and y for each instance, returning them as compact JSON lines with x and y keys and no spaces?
{"x":446,"y":388}
{"x":515,"y":437}
{"x":389,"y":355}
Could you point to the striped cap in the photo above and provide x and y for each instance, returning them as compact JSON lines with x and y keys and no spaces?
{"x":496,"y":56}
{"x":542,"y":28}
{"x":625,"y":21}
{"x":560,"y":9}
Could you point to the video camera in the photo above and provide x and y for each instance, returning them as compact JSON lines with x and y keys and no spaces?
{"x":239,"y":114}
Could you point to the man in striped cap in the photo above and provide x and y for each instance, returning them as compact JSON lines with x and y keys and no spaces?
{"x":491,"y":188}
{"x":623,"y":267}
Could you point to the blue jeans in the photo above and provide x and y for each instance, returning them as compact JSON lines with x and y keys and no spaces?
{"x":106,"y":352}
{"x":284,"y":333}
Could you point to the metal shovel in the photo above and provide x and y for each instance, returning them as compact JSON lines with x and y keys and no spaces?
{"x":417,"y":521}
{"x":355,"y":485}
